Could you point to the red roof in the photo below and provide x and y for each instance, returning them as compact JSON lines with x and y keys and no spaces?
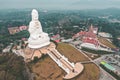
{"x":90,"y":34}
{"x":86,"y":34}
{"x":82,"y":32}
{"x":57,"y":40}
{"x":56,"y":36}
{"x":90,"y":40}
{"x":23,"y":28}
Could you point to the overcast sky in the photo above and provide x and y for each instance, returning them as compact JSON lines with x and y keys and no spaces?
{"x":59,"y":4}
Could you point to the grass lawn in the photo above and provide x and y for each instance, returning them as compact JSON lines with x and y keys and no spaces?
{"x":106,"y":42}
{"x":71,"y":53}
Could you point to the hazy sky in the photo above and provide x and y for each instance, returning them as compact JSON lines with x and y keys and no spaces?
{"x":59,"y":4}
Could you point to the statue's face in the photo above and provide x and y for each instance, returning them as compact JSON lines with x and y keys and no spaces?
{"x":34,"y":14}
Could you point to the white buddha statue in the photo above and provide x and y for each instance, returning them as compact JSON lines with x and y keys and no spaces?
{"x":37,"y":38}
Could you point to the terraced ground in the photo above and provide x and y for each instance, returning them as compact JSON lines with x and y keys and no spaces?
{"x":106,"y":42}
{"x":47,"y":69}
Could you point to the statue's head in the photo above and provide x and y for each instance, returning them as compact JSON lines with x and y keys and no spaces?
{"x":34,"y":14}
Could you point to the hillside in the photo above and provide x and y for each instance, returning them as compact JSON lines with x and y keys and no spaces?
{"x":47,"y":69}
{"x":12,"y":67}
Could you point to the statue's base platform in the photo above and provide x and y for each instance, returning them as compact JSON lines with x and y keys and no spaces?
{"x":36,"y":46}
{"x":72,"y":72}
{"x":32,"y":51}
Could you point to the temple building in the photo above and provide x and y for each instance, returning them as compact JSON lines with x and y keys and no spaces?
{"x":56,"y":38}
{"x":90,"y":40}
{"x":13,"y":30}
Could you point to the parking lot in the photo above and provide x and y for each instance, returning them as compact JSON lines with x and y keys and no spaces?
{"x":112,"y":59}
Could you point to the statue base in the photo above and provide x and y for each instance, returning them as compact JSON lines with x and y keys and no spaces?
{"x":38,"y":45}
{"x":40,"y":42}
